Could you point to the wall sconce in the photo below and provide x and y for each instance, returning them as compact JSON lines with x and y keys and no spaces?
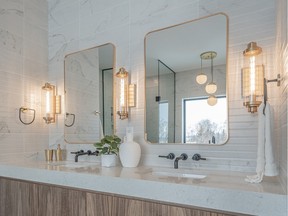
{"x":52,"y":103}
{"x":126,"y":92}
{"x":254,"y":83}
{"x":252,"y":78}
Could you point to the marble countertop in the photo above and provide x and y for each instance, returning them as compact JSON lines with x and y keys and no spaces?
{"x":223,"y":190}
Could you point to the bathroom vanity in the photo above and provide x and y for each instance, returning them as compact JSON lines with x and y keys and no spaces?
{"x":68,"y":188}
{"x":30,"y":198}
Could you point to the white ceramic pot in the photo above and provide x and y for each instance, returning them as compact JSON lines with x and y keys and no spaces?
{"x":108,"y":160}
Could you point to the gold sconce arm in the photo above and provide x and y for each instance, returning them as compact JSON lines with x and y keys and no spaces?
{"x":277,"y":80}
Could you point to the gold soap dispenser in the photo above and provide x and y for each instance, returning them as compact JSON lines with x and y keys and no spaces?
{"x":59,"y":153}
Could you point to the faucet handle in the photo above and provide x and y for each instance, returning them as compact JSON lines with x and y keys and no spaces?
{"x":197,"y":157}
{"x":81,"y":151}
{"x":170,"y":156}
{"x":184,"y":156}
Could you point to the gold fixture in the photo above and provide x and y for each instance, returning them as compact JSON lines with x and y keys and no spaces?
{"x":252,"y":78}
{"x":49,"y":154}
{"x":211,"y":87}
{"x":52,"y":103}
{"x":127,"y":94}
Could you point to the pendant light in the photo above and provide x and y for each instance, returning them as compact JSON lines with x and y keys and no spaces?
{"x":201,"y":78}
{"x":211,"y":87}
{"x":212,"y":100}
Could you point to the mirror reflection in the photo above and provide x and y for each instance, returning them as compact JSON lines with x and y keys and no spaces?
{"x":89,"y":94}
{"x":186,"y":98}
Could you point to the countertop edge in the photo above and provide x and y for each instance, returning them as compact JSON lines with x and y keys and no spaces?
{"x":256,"y":203}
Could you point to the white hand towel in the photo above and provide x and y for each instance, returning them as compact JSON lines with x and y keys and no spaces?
{"x":265,"y":156}
{"x":270,"y":168}
{"x":261,"y":140}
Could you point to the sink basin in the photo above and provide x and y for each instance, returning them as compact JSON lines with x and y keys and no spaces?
{"x":178,"y":174}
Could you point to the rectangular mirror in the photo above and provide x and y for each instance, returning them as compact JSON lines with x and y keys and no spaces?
{"x":180,"y":109}
{"x":89,"y":94}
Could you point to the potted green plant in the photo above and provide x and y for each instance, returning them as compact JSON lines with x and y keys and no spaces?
{"x":108,"y":148}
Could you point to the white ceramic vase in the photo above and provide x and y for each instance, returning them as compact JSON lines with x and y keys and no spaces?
{"x":129,"y":151}
{"x":108,"y":160}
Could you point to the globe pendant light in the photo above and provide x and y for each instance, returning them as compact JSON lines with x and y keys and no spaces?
{"x":212,"y":100}
{"x":211,"y":87}
{"x":201,"y":78}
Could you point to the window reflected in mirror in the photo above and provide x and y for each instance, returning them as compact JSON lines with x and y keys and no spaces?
{"x":89,"y":94}
{"x":178,"y":108}
{"x":204,"y":123}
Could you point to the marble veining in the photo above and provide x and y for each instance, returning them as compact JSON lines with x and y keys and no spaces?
{"x":104,"y":20}
{"x":10,"y":41}
{"x":11,"y":11}
{"x":4,"y":129}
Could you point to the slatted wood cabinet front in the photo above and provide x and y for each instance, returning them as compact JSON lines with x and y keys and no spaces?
{"x":22,"y":198}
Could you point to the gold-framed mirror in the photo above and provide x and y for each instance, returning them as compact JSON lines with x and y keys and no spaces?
{"x":178,"y":108}
{"x":88,"y":81}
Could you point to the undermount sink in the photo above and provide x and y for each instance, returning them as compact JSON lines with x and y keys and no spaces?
{"x":177,"y":173}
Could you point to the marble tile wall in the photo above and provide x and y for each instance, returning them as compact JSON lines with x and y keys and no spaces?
{"x":23,"y":70}
{"x":79,"y":24}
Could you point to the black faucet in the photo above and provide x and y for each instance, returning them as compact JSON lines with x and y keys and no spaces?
{"x":183,"y":156}
{"x":81,"y":152}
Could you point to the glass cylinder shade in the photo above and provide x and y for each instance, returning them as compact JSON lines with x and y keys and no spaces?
{"x":201,"y":78}
{"x":212,"y":100}
{"x":252,"y":77}
{"x":49,"y":102}
{"x":122,"y":93}
{"x":211,"y":88}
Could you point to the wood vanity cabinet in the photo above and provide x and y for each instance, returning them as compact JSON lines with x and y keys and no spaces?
{"x":18,"y":198}
{"x":22,"y":198}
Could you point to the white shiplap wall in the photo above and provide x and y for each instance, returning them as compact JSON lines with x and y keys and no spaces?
{"x":23,"y":70}
{"x":79,"y":24}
